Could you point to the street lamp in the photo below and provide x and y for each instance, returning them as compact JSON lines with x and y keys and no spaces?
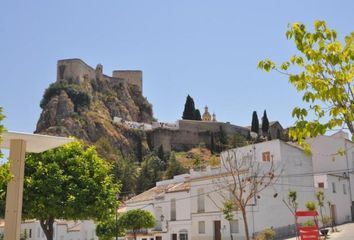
{"x":117,"y":197}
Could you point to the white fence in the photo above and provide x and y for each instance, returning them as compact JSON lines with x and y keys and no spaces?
{"x":145,"y":126}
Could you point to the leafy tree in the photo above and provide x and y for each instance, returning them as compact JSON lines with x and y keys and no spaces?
{"x":255,"y":123}
{"x":222,"y":136}
{"x":212,"y":143}
{"x":228,"y":208}
{"x":244,"y":181}
{"x":161,"y":154}
{"x":197,"y":115}
{"x":189,"y":109}
{"x":323,"y":73}
{"x":124,"y":167}
{"x":292,"y":201}
{"x":174,"y":167}
{"x":69,"y":182}
{"x":139,"y":150}
{"x":265,"y":124}
{"x":2,"y":128}
{"x":320,"y":201}
{"x":198,"y":162}
{"x":107,"y":229}
{"x":237,"y":140}
{"x":151,"y":171}
{"x":125,"y":172}
{"x":137,"y":219}
{"x":222,"y":142}
{"x":5,"y":175}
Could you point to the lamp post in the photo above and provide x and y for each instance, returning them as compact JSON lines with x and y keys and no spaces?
{"x":116,"y":208}
{"x":254,"y":137}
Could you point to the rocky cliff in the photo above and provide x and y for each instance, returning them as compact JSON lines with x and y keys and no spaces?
{"x":85,"y":109}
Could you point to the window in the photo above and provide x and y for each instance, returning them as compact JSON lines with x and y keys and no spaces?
{"x":173,"y":209}
{"x":201,"y":227}
{"x":344,"y":189}
{"x":234,"y":226}
{"x":321,"y":184}
{"x":333,"y":187}
{"x":266,"y":156}
{"x":201,"y":200}
{"x":30,"y":233}
{"x":174,"y":236}
{"x":183,"y":236}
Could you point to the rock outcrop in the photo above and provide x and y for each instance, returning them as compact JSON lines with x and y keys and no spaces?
{"x":85,"y":109}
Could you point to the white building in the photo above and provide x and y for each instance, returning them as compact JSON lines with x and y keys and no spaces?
{"x":189,"y":206}
{"x":334,"y":173}
{"x":169,"y":202}
{"x":63,"y":230}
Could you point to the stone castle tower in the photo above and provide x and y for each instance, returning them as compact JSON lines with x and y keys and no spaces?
{"x":77,"y":71}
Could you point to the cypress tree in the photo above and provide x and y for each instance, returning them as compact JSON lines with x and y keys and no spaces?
{"x":161,"y":154}
{"x":212,"y":144}
{"x":174,"y":167}
{"x":255,"y":123}
{"x":197,"y":115}
{"x":265,"y":124}
{"x":222,"y":139}
{"x":189,"y":109}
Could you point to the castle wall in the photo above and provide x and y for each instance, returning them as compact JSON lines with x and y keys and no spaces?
{"x":202,"y":126}
{"x":133,"y":77}
{"x":191,"y":134}
{"x":74,"y":69}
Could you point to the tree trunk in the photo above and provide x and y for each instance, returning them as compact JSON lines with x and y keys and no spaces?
{"x":232,"y":238}
{"x":244,"y":215}
{"x":47,"y":227}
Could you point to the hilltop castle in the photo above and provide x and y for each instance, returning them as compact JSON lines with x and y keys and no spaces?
{"x":179,"y":136}
{"x":78,"y":71}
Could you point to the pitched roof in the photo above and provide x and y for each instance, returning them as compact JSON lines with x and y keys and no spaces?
{"x":159,"y":191}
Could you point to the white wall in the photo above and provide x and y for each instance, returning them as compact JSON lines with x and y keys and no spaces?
{"x":288,"y":160}
{"x":86,"y":230}
{"x":339,"y":197}
{"x":327,"y":160}
{"x":183,"y":216}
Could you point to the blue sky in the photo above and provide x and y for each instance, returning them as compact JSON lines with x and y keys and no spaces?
{"x":208,"y":49}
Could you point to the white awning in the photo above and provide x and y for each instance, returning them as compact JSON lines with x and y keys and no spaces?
{"x":34,"y":142}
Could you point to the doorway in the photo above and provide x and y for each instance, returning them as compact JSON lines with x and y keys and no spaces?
{"x":217,"y":230}
{"x":334,"y":214}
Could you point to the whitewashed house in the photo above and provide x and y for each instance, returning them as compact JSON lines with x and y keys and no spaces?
{"x":335,"y":173}
{"x":63,"y":230}
{"x":169,"y":202}
{"x":268,"y":210}
{"x":189,"y":206}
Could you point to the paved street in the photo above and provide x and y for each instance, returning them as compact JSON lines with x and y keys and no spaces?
{"x":346,"y":232}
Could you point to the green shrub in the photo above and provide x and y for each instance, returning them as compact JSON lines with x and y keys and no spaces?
{"x":311,"y":206}
{"x":78,"y":96}
{"x":269,"y":233}
{"x":266,"y":234}
{"x":309,"y":223}
{"x":326,"y":220}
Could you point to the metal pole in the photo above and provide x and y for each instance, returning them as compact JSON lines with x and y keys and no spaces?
{"x":350,"y":185}
{"x":116,"y":223}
